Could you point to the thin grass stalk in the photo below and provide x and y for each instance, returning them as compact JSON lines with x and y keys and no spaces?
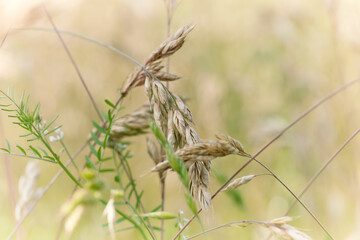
{"x":53,"y":180}
{"x":153,"y":236}
{"x":122,"y":96}
{"x":221,"y":226}
{"x":301,"y":116}
{"x":73,"y":62}
{"x":4,"y":38}
{"x":167,"y":65}
{"x":129,"y":175}
{"x":317,"y":174}
{"x":69,"y":155}
{"x":297,"y":199}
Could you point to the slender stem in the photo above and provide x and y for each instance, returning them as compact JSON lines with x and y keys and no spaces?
{"x":297,"y":199}
{"x":68,"y":154}
{"x":53,"y":180}
{"x":131,"y":179}
{"x":301,"y":116}
{"x":317,"y":174}
{"x":167,"y":64}
{"x":162,"y":185}
{"x":230,"y":224}
{"x":127,"y":200}
{"x":73,"y":62}
{"x":220,"y":226}
{"x":4,"y":38}
{"x":100,"y":43}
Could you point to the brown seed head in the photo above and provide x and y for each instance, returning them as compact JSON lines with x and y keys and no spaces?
{"x":171,"y":44}
{"x":180,"y":123}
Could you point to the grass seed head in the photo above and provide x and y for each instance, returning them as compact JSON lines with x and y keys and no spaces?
{"x":171,"y":44}
{"x":238,"y":182}
{"x":180,"y":123}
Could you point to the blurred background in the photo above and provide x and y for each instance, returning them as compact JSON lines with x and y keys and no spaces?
{"x":249,"y":68}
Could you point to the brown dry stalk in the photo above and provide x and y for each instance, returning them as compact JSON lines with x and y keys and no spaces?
{"x":278,"y":227}
{"x":300,"y":117}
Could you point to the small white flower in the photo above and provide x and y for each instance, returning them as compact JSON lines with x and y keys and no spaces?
{"x":59,"y":135}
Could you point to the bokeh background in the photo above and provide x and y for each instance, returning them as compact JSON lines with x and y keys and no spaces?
{"x":249,"y":68}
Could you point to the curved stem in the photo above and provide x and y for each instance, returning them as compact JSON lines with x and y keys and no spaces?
{"x":316,"y":175}
{"x":297,"y":199}
{"x":224,"y":225}
{"x":304,"y":114}
{"x":129,"y":175}
{"x":73,"y":63}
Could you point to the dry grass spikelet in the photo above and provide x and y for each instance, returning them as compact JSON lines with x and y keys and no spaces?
{"x":132,"y":124}
{"x":157,"y":114}
{"x":180,"y":123}
{"x":153,"y":151}
{"x":171,"y":131}
{"x":153,"y":64}
{"x":281,"y":229}
{"x":206,"y":150}
{"x":199,"y":174}
{"x":238,"y":182}
{"x":184,"y":109}
{"x":171,"y":44}
{"x":160,"y":93}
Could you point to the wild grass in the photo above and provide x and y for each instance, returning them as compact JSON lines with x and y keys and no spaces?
{"x":103,"y":172}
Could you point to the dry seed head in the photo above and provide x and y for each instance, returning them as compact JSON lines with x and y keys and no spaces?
{"x":164,"y":76}
{"x":199,"y":184}
{"x":170,"y":128}
{"x":160,"y":92}
{"x":137,"y":77}
{"x":27,"y":189}
{"x":191,"y":136}
{"x":184,"y":109}
{"x":204,"y":197}
{"x":132,"y":124}
{"x":110,"y":214}
{"x":148,"y":88}
{"x":157,"y":114}
{"x":281,"y":220}
{"x":287,"y":232}
{"x":171,"y":44}
{"x":153,"y":151}
{"x":73,"y":219}
{"x":180,"y":123}
{"x":238,"y":182}
{"x":205,"y":150}
{"x":234,"y":143}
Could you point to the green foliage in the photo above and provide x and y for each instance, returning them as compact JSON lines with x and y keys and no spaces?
{"x":33,"y":124}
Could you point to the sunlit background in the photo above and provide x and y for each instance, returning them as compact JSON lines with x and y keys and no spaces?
{"x":249,"y":68}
